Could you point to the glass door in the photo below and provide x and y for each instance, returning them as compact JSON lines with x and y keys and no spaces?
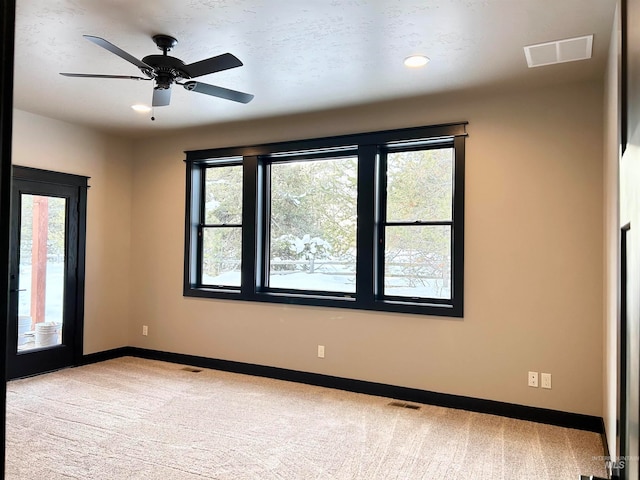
{"x":47,"y":272}
{"x":41,"y":271}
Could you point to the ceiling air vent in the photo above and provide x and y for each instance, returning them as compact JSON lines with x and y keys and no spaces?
{"x":562,"y":51}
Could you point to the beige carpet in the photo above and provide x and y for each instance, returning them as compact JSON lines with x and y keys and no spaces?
{"x":139,"y":419}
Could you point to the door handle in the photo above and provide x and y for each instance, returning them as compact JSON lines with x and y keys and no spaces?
{"x":18,"y":290}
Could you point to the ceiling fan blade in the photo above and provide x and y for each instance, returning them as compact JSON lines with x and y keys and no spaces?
{"x":161,"y":97}
{"x":218,"y":92}
{"x":212,"y":65}
{"x":92,"y":75}
{"x":101,"y":42}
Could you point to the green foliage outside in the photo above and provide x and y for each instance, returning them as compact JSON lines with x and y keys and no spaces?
{"x":56,"y":228}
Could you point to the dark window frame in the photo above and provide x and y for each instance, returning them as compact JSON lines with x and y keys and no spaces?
{"x":370,"y":148}
{"x":383,"y":222}
{"x":203,"y":225}
{"x":268,"y":162}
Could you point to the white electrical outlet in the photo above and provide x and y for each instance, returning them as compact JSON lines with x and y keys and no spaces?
{"x":320,"y":351}
{"x":533,"y":379}
{"x":145,"y":330}
{"x":546,"y":380}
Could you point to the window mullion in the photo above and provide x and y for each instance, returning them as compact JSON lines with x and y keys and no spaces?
{"x":366,"y":235}
{"x":200,"y":181}
{"x":221,"y":225}
{"x":381,"y":223}
{"x":192,"y":273}
{"x":251,"y":227}
{"x":264,"y":219}
{"x":439,"y":223}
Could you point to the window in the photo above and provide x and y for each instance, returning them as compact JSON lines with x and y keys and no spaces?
{"x":312,"y":225}
{"x":221,"y":226}
{"x":371,"y":221}
{"x":418,"y":223}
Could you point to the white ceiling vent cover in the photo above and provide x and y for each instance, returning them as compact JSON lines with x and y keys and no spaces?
{"x":568,"y":50}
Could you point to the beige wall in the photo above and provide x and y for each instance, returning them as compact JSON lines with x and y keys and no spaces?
{"x":53,"y":145}
{"x":611,"y":238}
{"x":534,"y":261}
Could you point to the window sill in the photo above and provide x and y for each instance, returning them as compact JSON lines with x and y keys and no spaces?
{"x":335,"y":301}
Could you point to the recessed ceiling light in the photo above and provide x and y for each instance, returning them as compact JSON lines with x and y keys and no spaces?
{"x":415,"y":61}
{"x":141,"y":108}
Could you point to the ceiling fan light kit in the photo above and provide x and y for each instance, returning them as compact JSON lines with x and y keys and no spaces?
{"x":165,"y":70}
{"x":416,"y":61}
{"x":141,"y":108}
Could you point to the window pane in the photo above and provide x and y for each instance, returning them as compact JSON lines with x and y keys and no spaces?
{"x":223,"y":195}
{"x":418,"y":261}
{"x":420,"y":185}
{"x":221,"y":254}
{"x":313,"y":225}
{"x":42,"y":271}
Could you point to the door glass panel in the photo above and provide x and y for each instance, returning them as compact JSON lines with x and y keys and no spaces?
{"x":42,"y":267}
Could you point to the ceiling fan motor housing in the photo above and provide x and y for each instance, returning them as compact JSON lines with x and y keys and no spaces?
{"x":166,"y":69}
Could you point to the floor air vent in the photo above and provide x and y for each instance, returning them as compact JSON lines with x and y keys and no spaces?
{"x":404,"y":405}
{"x":191,"y":369}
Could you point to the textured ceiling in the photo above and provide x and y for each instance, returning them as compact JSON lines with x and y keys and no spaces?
{"x":298,"y":55}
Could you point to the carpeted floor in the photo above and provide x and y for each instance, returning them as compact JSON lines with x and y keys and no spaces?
{"x":140,"y":419}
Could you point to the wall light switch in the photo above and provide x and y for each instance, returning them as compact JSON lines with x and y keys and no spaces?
{"x":145,"y":330}
{"x":320,"y":351}
{"x":546,"y":380}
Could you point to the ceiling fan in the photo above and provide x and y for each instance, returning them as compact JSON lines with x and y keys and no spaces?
{"x":165,"y":70}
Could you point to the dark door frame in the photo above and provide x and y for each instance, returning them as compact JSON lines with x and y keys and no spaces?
{"x":7,"y":29}
{"x":73,"y":188}
{"x":622,"y":414}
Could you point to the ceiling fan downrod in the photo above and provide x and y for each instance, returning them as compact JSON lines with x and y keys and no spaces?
{"x":165,"y":42}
